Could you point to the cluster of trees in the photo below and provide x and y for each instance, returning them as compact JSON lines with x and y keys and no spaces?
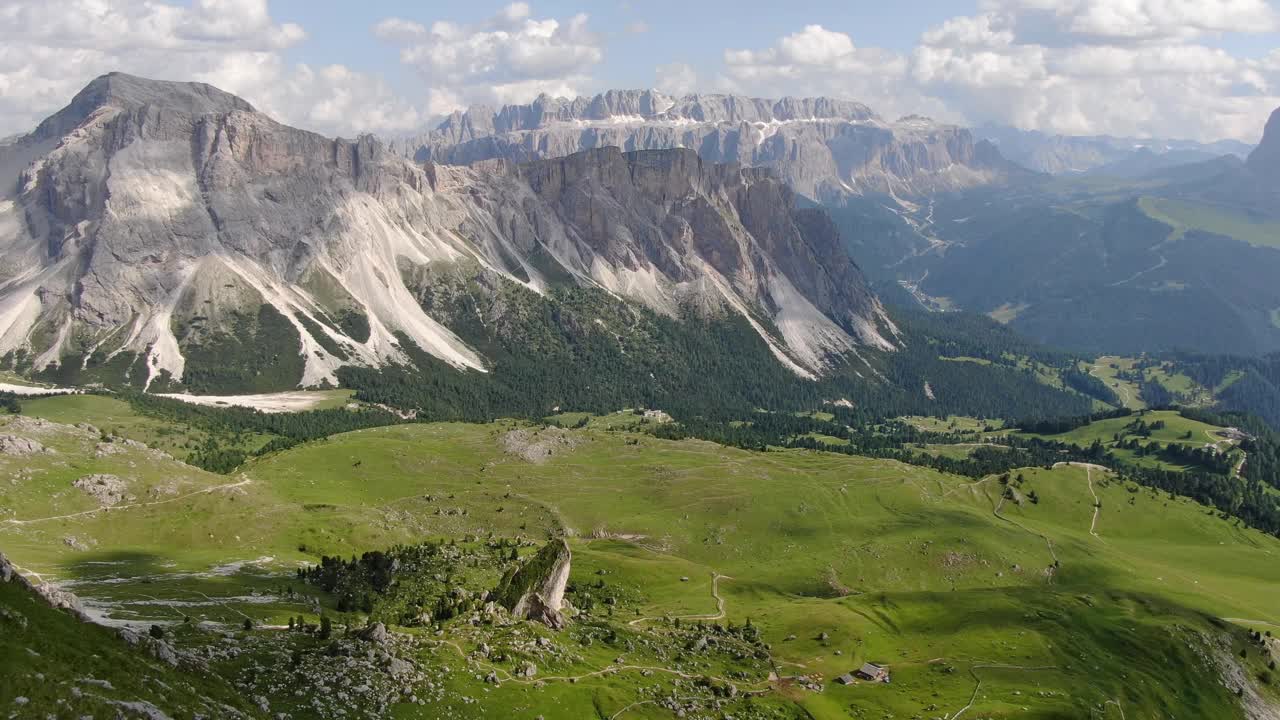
{"x":1142,"y":428}
{"x":10,"y":403}
{"x":255,"y":353}
{"x":410,"y":584}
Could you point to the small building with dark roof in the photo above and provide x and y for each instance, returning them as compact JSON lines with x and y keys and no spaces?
{"x":872,"y":673}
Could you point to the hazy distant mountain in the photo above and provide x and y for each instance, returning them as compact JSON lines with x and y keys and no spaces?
{"x":1101,"y":154}
{"x":824,"y":149}
{"x":167,"y":231}
{"x":1264,"y":161}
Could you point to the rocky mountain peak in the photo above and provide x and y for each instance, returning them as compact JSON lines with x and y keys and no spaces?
{"x":131,"y":93}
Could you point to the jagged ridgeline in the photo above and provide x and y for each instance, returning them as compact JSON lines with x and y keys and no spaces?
{"x":168,"y":236}
{"x":824,"y":148}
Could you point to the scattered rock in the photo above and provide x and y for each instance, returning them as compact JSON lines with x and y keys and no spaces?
{"x":20,"y":447}
{"x":103,"y":449}
{"x":538,"y":446}
{"x":142,"y":708}
{"x":108,"y":490}
{"x":75,"y":543}
{"x":397,"y":667}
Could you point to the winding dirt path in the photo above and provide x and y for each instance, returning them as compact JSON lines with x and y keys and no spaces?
{"x":715,"y":593}
{"x":1097,"y":504}
{"x":973,"y":671}
{"x":996,"y":511}
{"x":1118,"y":707}
{"x":1251,"y":622}
{"x":1121,"y":387}
{"x":130,"y":506}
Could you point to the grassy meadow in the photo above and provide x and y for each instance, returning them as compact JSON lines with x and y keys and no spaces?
{"x":1098,"y":599}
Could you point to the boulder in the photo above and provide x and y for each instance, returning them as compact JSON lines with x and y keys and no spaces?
{"x":375,"y":633}
{"x":535,"y":589}
{"x":20,"y":447}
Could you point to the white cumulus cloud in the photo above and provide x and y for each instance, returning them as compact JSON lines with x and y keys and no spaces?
{"x":510,"y":57}
{"x":49,"y":49}
{"x":1123,"y":67}
{"x":677,"y":78}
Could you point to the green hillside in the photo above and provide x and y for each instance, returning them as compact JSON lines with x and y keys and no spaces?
{"x":49,"y":659}
{"x":972,"y":593}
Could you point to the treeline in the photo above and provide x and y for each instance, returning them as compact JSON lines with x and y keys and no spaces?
{"x":1086,"y":384}
{"x":1249,"y":384}
{"x":581,"y":349}
{"x":1059,"y":425}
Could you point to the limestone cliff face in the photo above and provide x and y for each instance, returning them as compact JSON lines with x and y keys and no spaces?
{"x":149,"y":222}
{"x":535,"y":590}
{"x":679,"y":229}
{"x":823,"y":148}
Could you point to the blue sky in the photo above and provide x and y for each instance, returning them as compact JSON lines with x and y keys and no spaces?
{"x":1201,"y":69}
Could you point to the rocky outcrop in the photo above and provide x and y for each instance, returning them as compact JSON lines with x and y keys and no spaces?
{"x":535,"y":590}
{"x":54,"y":596}
{"x":106,"y":490}
{"x":168,"y":230}
{"x":823,"y":148}
{"x":20,"y":446}
{"x":538,"y":446}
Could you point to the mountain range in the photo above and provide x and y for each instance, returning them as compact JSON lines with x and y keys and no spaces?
{"x":825,"y":149}
{"x":1101,"y":154}
{"x":159,"y":231}
{"x":170,"y":236}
